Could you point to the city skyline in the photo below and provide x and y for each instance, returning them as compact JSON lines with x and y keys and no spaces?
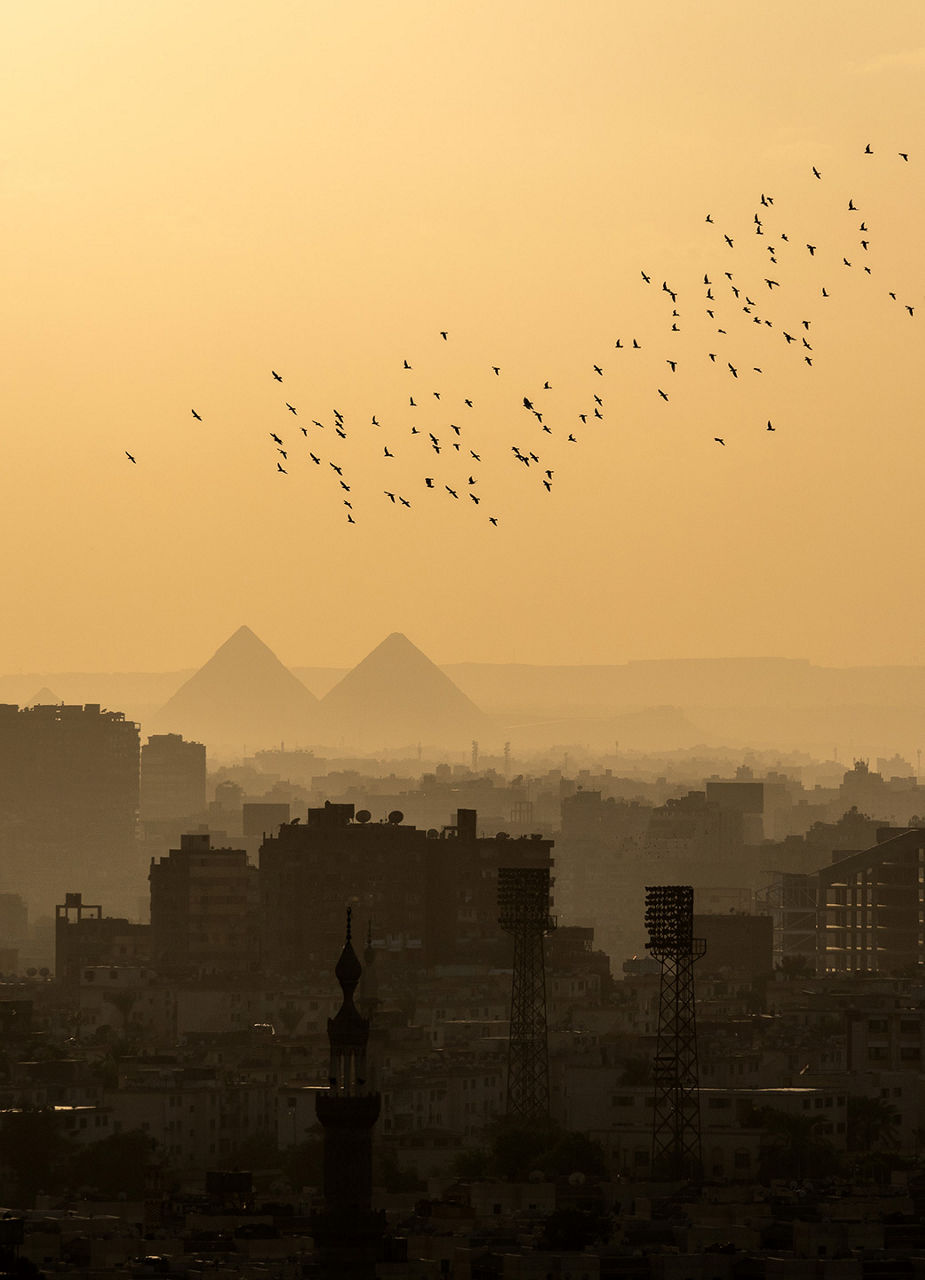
{"x":198,"y":198}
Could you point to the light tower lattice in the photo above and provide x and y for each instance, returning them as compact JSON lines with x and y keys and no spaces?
{"x":523,"y":906}
{"x":676,"y":1117}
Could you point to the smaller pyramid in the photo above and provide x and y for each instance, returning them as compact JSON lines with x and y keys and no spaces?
{"x":44,"y":698}
{"x":242,"y":696}
{"x":397,"y":696}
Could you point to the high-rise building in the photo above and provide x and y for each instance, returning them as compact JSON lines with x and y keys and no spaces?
{"x":431,"y":895}
{"x":173,"y":780}
{"x":68,"y":800}
{"x":203,"y":909}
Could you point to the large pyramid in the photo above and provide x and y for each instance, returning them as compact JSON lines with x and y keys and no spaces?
{"x":243,"y":696}
{"x":395,"y":697}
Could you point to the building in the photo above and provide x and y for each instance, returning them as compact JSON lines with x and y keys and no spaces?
{"x":430,"y":896}
{"x":68,"y":800}
{"x":871,"y":907}
{"x":173,"y":780}
{"x":85,"y":938}
{"x":203,"y":909}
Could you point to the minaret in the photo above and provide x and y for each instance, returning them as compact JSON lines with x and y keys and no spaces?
{"x":348,"y":1233}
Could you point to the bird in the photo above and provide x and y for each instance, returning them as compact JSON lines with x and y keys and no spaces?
{"x":342,"y":434}
{"x":712,"y":355}
{"x":662,"y":394}
{"x":436,"y":395}
{"x":443,"y":334}
{"x":283,"y":452}
{"x":280,"y":467}
{"x":290,"y":407}
{"x":673,"y":364}
{"x":548,"y":486}
{"x":450,"y":491}
{"x":404,"y":501}
{"x":547,"y":387}
{"x":316,"y":460}
{"x":772,"y":283}
{"x":274,"y":436}
{"x":316,"y":423}
{"x":708,"y":218}
{"x":719,"y":440}
{"x":770,"y":428}
{"x":867,"y":150}
{"x":846,"y":262}
{"x":852,"y":207}
{"x":348,"y":504}
{"x":598,"y":400}
{"x":636,"y":345}
{"x":648,"y":279}
{"x":808,"y":360}
{"x":130,"y":457}
{"x":733,"y":370}
{"x":728,"y":240}
{"x":824,"y":292}
{"x":344,"y":486}
{"x":572,"y":439}
{"x":475,"y":499}
{"x":407,"y":365}
{"x":276,"y":375}
{"x":904,"y":154}
{"x":495,"y":370}
{"x":816,"y":172}
{"x":469,"y":403}
{"x":476,"y":456}
{"x":528,"y":404}
{"x":493,"y":520}
{"x":336,"y":468}
{"x":390,"y":496}
{"x":429,"y":482}
{"x":618,"y":344}
{"x":455,"y":428}
{"x":584,"y":417}
{"x":911,"y":310}
{"x":350,"y":519}
{"x":675,"y":329}
{"x":387,"y":454}
{"x":304,"y":431}
{"x":413,"y":405}
{"x":196,"y":415}
{"x":375,"y":421}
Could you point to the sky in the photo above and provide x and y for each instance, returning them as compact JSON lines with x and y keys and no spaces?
{"x":197,"y":194}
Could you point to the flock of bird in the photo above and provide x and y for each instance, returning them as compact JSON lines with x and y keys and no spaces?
{"x":738,"y":315}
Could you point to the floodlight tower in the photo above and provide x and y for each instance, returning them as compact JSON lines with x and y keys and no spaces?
{"x":523,"y":906}
{"x":676,"y":1118}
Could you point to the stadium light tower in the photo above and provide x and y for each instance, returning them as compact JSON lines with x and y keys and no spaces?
{"x":676,"y":1117}
{"x":523,"y":907}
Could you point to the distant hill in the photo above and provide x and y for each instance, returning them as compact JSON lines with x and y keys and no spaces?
{"x":396,"y":695}
{"x":242,"y":696}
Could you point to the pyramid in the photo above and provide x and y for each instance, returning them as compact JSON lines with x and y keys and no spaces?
{"x":397,"y":696}
{"x":44,"y":698}
{"x":242,"y":696}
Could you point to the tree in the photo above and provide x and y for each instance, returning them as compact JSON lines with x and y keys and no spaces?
{"x":574,"y":1230}
{"x":871,"y":1124}
{"x":796,"y":1148}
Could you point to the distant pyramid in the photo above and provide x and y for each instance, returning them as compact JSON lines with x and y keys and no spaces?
{"x":397,"y":696}
{"x":242,"y":696}
{"x":44,"y":698}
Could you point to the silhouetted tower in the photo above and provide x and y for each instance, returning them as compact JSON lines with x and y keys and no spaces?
{"x":347,"y":1232}
{"x":523,"y":905}
{"x":676,"y":1117}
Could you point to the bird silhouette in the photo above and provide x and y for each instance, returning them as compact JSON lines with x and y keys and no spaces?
{"x":196,"y":415}
{"x":404,"y":501}
{"x":280,"y":467}
{"x":290,"y":407}
{"x":719,"y":440}
{"x":648,"y":279}
{"x":904,"y":154}
{"x":770,"y":428}
{"x":130,"y":457}
{"x":350,"y":519}
{"x":317,"y":461}
{"x":867,"y":150}
{"x":390,"y":496}
{"x":276,"y":375}
{"x":816,"y":172}
{"x":493,"y":520}
{"x":469,"y":403}
{"x":387,"y":454}
{"x":733,"y":370}
{"x":495,"y":370}
{"x":304,"y":431}
{"x":274,"y":436}
{"x":451,"y":492}
{"x":336,"y":468}
{"x":407,"y":365}
{"x":662,"y":394}
{"x":443,"y":334}
{"x":429,"y":482}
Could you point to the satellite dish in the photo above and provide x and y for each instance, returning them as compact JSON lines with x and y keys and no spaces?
{"x":396,"y":817}
{"x":432,"y":833}
{"x":363,"y":816}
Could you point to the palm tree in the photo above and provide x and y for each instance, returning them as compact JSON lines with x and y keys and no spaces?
{"x":872,"y":1124}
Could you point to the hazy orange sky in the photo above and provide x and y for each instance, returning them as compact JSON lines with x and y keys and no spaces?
{"x":197,"y":193}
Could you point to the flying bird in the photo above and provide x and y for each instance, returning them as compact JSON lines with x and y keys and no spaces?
{"x":290,"y":407}
{"x":387,"y":454}
{"x":390,"y":496}
{"x":276,"y":375}
{"x":493,"y":520}
{"x":407,"y":365}
{"x":662,"y":394}
{"x":317,"y":461}
{"x":733,"y":370}
{"x":495,"y":370}
{"x":196,"y":415}
{"x":469,"y":403}
{"x":443,"y":334}
{"x":719,"y":440}
{"x":867,"y":150}
{"x":770,"y":428}
{"x":450,"y":491}
{"x":280,"y":467}
{"x":816,"y":172}
{"x":129,"y":456}
{"x":648,"y":279}
{"x":274,"y":436}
